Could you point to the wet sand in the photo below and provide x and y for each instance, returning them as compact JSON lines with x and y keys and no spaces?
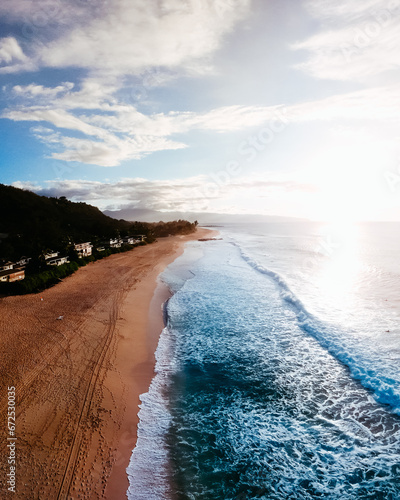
{"x":78,"y":379}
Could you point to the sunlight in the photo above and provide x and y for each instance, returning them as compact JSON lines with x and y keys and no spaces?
{"x":338,"y":277}
{"x":346,"y":177}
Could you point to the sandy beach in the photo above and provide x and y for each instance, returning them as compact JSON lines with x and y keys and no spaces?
{"x":78,"y":379}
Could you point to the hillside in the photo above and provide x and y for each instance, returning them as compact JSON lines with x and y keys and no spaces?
{"x":36,"y":223}
{"x":204,"y":218}
{"x":31,"y":224}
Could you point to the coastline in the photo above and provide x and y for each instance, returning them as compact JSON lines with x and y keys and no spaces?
{"x":78,"y":380}
{"x":137,"y":360}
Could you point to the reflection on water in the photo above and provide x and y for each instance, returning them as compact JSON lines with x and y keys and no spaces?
{"x":340,"y":267}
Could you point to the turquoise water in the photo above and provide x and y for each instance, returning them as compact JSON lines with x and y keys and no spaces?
{"x":278,"y":372}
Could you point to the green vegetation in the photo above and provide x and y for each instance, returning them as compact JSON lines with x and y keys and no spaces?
{"x":35,"y":224}
{"x":45,"y":276}
{"x":40,"y":281}
{"x":32,"y":225}
{"x":160,"y":229}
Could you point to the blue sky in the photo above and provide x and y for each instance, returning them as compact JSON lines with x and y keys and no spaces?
{"x":234,"y":106}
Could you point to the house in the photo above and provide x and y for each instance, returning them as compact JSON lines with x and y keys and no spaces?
{"x":83,"y":249}
{"x":12,"y":275}
{"x":58,"y":261}
{"x":115,"y":243}
{"x":7,"y":266}
{"x":51,"y":255}
{"x":23,"y":261}
{"x":129,"y":240}
{"x":133,"y":240}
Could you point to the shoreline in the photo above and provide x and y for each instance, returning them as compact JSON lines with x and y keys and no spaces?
{"x":141,"y":372}
{"x":78,"y":380}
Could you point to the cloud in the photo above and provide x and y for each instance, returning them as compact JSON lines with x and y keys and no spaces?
{"x":38,"y":91}
{"x":112,"y":152}
{"x":113,"y":42}
{"x":199,"y":193}
{"x":91,"y":122}
{"x":131,"y":36}
{"x":57,"y":117}
{"x":358,"y":39}
{"x":382,"y":103}
{"x":111,"y":132}
{"x":125,"y":37}
{"x":10,"y":50}
{"x":12,"y":57}
{"x":40,"y":13}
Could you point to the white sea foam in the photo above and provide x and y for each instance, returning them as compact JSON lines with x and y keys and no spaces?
{"x":148,"y":467}
{"x":261,"y":407}
{"x":365,"y":362}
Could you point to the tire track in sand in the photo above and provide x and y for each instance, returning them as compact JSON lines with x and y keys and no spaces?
{"x":72,"y":459}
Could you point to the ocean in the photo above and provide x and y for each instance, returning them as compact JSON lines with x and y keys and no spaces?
{"x":278,"y":373}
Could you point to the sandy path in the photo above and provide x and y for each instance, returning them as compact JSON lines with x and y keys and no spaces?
{"x":78,"y":379}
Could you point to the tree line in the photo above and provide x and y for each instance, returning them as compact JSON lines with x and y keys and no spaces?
{"x":32,"y":225}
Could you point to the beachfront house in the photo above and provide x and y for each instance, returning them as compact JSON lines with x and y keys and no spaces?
{"x":50,"y":255}
{"x":12,"y":275}
{"x":130,"y":240}
{"x":83,"y":249}
{"x":115,"y":243}
{"x":59,"y":261}
{"x":23,"y":261}
{"x":7,"y":266}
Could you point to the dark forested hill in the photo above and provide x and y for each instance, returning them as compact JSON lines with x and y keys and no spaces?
{"x":31,"y":224}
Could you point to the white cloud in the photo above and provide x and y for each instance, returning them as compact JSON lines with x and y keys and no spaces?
{"x":38,"y":91}
{"x":381,"y":103}
{"x":40,"y":13}
{"x":358,"y":39}
{"x":330,"y":12}
{"x":113,"y":152}
{"x":132,"y":35}
{"x":113,"y":41}
{"x":124,"y":133}
{"x":119,"y":37}
{"x":12,"y":57}
{"x":230,"y":118}
{"x":10,"y":50}
{"x":115,"y":131}
{"x":91,"y":124}
{"x":199,"y":193}
{"x":58,"y":117}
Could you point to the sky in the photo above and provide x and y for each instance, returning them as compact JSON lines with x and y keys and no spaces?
{"x":288,"y":107}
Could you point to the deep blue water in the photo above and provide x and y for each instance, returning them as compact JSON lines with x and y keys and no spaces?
{"x":278,"y":373}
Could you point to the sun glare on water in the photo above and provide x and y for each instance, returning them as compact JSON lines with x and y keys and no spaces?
{"x":337,"y":277}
